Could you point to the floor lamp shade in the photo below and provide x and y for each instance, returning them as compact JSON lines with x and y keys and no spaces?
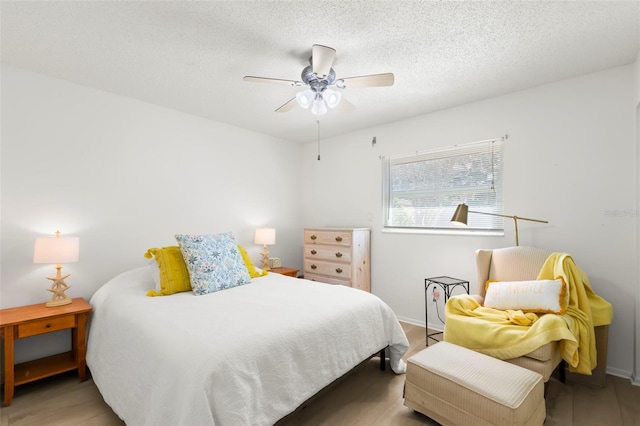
{"x":461,"y":214}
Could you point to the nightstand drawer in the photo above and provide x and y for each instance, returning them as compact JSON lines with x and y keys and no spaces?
{"x":46,"y":325}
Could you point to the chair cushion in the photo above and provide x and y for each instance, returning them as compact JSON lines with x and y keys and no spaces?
{"x":545,"y":352}
{"x":545,"y":368}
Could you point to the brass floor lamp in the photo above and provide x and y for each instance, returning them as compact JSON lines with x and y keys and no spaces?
{"x":462,"y":211}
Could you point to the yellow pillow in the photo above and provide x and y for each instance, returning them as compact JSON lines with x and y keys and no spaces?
{"x":253,"y":273}
{"x":174,"y":276}
{"x":541,"y":296}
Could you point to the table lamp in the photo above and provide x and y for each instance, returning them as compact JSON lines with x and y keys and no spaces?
{"x":462,"y":211}
{"x":57,"y":250}
{"x":266,"y":237}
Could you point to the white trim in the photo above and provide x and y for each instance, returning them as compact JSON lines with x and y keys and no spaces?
{"x":411,"y":321}
{"x":459,"y":232}
{"x":624,"y":374}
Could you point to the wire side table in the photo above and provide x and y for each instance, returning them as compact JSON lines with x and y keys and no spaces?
{"x":448,"y":284}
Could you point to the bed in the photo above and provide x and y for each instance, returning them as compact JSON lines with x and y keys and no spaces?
{"x":247,"y":355}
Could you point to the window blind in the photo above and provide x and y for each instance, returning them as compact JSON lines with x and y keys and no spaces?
{"x":423,"y":189}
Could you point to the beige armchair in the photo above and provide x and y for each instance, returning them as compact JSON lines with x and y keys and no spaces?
{"x":520,"y":264}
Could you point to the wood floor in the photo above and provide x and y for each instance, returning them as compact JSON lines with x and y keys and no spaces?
{"x":366,"y":396}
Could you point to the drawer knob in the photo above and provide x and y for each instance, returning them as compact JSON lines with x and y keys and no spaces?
{"x":338,"y":254}
{"x":339,"y":270}
{"x":47,"y":325}
{"x":313,"y":237}
{"x":313,"y":266}
{"x":338,"y":238}
{"x":313,"y":252}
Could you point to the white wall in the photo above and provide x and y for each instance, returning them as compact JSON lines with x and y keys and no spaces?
{"x":570,"y":159}
{"x":124,"y":176}
{"x":636,"y":370}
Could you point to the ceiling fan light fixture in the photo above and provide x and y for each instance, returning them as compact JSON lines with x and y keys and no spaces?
{"x":319,"y":106}
{"x":305,"y":98}
{"x":332,"y":98}
{"x":318,"y":76}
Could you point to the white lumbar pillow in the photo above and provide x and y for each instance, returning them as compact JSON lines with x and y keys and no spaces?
{"x":542,"y":296}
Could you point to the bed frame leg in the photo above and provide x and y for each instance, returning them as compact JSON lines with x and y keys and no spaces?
{"x":383,"y":364}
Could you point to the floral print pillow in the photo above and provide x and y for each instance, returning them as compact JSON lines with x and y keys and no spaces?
{"x":214,"y":262}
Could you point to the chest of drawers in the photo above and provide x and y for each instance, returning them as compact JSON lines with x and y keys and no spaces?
{"x":338,"y":256}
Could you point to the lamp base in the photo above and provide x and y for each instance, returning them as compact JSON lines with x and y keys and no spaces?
{"x":58,"y":287}
{"x":265,"y":259}
{"x":60,"y":302}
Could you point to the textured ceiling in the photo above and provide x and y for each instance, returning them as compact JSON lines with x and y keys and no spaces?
{"x":191,"y":56}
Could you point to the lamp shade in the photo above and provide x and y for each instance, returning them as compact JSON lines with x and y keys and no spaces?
{"x":265,"y":236}
{"x":460,"y":215}
{"x":332,"y":98}
{"x":305,"y":98}
{"x":319,"y":107}
{"x":56,"y":249}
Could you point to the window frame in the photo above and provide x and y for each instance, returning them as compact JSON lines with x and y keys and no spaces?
{"x":484,"y":198}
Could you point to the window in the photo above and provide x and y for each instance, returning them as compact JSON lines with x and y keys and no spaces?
{"x":422,"y":190}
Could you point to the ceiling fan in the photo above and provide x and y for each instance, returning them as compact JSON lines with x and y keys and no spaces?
{"x":319,"y":76}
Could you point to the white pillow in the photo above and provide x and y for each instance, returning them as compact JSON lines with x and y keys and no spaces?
{"x":541,"y":296}
{"x":155,"y":272}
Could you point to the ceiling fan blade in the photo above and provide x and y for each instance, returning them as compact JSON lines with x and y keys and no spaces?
{"x":322,"y":60}
{"x":288,"y":105}
{"x":374,"y":80}
{"x":269,"y":80}
{"x":345,"y":105}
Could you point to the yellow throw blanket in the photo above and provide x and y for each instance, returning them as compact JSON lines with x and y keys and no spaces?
{"x":512,"y":334}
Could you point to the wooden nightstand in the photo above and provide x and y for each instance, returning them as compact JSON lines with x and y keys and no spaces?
{"x":286,"y":271}
{"x":32,"y":320}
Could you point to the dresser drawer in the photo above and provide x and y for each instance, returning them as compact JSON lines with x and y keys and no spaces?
{"x":331,"y":253}
{"x":336,"y":270}
{"x":327,"y":280}
{"x":46,"y":325}
{"x":342,"y":238}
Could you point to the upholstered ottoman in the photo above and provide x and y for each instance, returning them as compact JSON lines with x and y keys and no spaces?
{"x":457,"y":386}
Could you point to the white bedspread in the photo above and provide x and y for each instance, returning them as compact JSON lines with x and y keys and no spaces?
{"x":248,"y":355}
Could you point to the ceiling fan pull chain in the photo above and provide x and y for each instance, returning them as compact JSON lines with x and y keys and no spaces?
{"x":318,"y":121}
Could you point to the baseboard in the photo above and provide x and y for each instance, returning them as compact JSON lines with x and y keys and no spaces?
{"x":438,"y":327}
{"x":411,"y":321}
{"x":625,"y":374}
